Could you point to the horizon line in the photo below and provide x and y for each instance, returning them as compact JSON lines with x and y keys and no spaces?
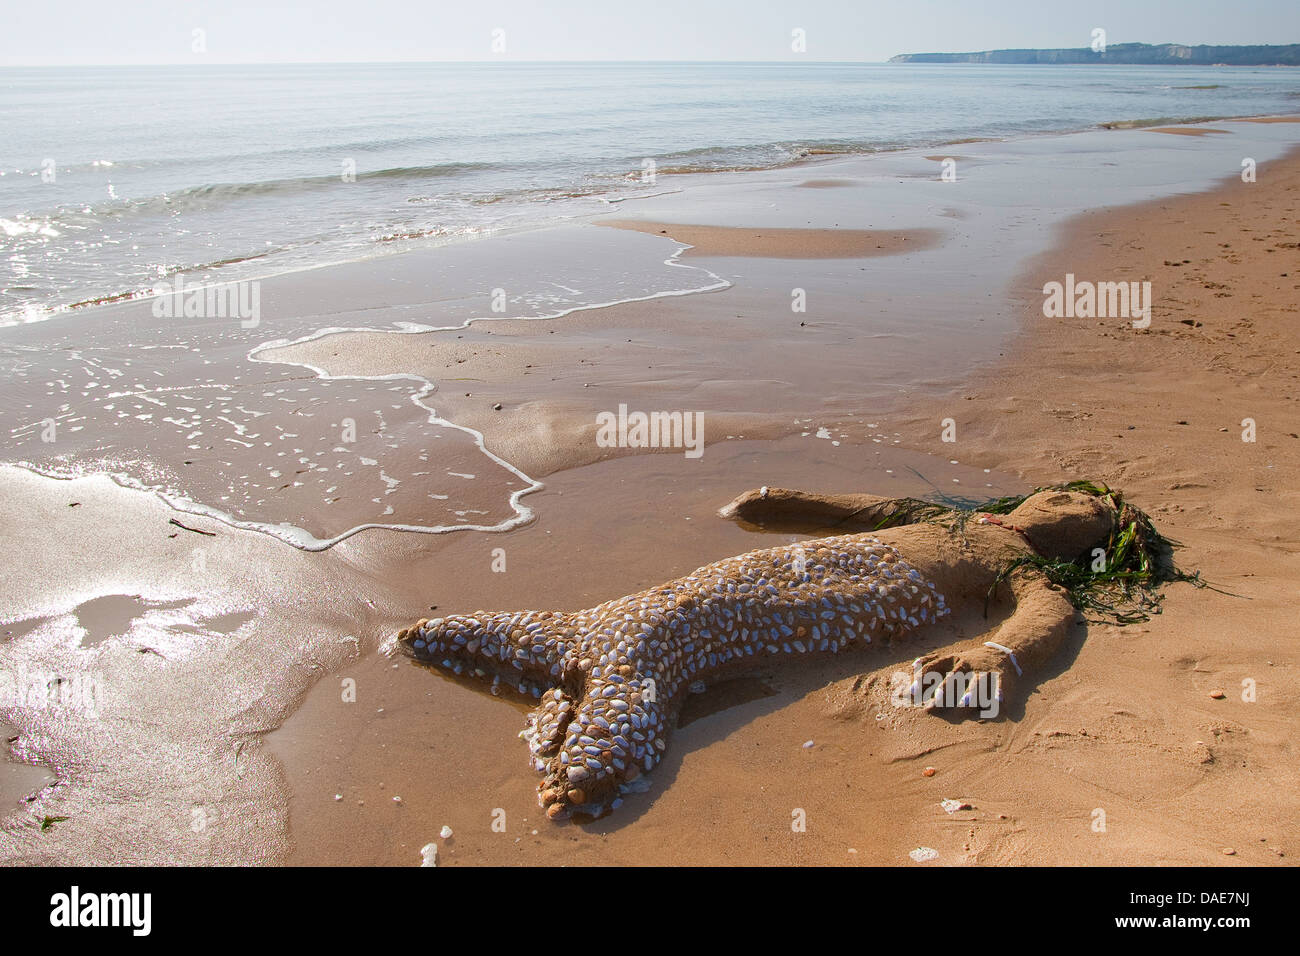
{"x":200,"y":61}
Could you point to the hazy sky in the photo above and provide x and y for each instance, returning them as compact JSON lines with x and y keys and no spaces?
{"x":260,"y":31}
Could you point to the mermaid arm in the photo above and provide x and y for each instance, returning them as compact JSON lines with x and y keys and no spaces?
{"x":949,"y":680}
{"x":857,"y":512}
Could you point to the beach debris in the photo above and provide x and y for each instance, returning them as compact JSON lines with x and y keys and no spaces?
{"x":924,"y":854}
{"x":429,"y":854}
{"x":496,"y":407}
{"x":1218,"y":694}
{"x":808,"y":745}
{"x":445,"y":833}
{"x":928,"y":772}
{"x":952,"y":806}
{"x":49,"y":821}
{"x":397,"y":799}
{"x":1229,"y":851}
{"x":209,"y":534}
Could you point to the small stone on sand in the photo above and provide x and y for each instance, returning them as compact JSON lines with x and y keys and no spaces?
{"x":445,"y":833}
{"x":1218,"y":694}
{"x":928,"y":772}
{"x":924,"y":854}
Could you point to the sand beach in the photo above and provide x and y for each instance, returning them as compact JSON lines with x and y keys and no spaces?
{"x":832,"y":322}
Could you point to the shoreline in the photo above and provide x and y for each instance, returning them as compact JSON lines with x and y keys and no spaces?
{"x":811,"y":159}
{"x":887,"y":801}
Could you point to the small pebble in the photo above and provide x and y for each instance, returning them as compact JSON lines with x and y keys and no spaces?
{"x":807,"y":745}
{"x":397,"y":799}
{"x":952,"y":806}
{"x":1218,"y":694}
{"x":923,"y":854}
{"x":1229,"y":851}
{"x":928,"y":772}
{"x":445,"y":833}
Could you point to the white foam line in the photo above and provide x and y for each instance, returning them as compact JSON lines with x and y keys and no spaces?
{"x":301,"y":538}
{"x":304,"y":540}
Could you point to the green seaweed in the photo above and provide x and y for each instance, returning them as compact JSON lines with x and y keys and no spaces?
{"x":1122,"y":585}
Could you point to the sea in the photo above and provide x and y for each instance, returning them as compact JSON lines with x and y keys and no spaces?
{"x":113,"y":180}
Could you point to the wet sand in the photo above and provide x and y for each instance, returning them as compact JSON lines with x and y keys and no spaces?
{"x":1185,"y":130}
{"x":733,"y":773}
{"x":728,"y":241}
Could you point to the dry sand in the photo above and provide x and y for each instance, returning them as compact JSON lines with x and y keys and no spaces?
{"x":1129,"y":726}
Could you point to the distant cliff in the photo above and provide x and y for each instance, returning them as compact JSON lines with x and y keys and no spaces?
{"x":1157,"y":54}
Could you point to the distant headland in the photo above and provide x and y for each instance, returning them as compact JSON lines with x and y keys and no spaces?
{"x":1155,"y":54}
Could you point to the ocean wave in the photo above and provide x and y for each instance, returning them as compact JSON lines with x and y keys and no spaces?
{"x":1165,"y":121}
{"x":14,"y":228}
{"x":205,"y":196}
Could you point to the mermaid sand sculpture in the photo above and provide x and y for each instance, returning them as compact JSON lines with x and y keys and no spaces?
{"x":611,"y":678}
